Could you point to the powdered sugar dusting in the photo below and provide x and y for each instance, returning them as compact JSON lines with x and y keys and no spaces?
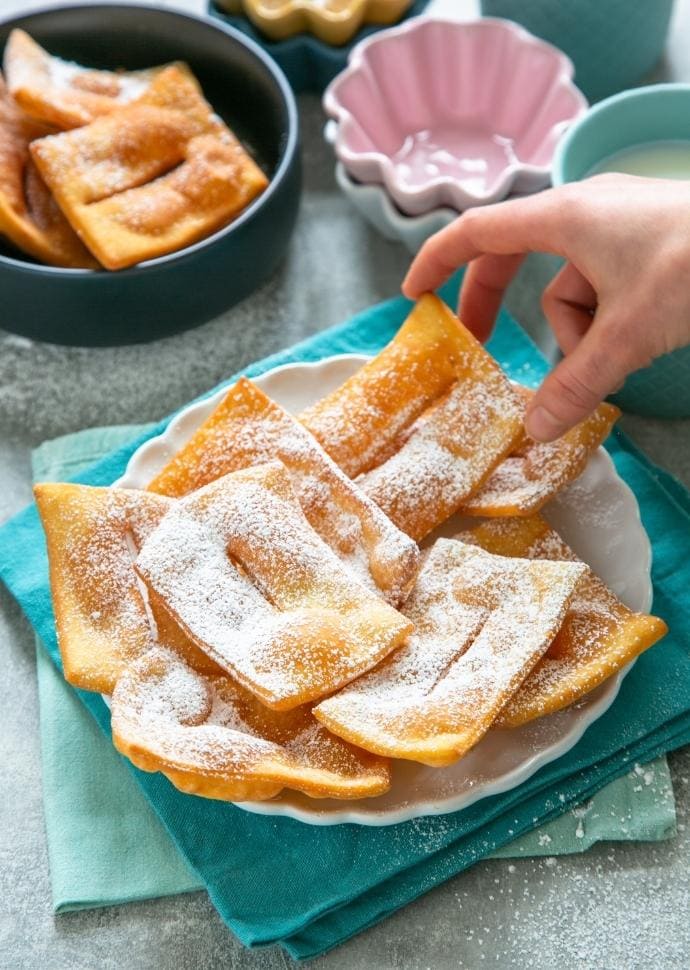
{"x":448,"y":452}
{"x":238,"y":565}
{"x":599,"y":634}
{"x":101,"y":618}
{"x":527,"y":479}
{"x":246,"y":429}
{"x":99,"y":563}
{"x":188,"y":568}
{"x":481,"y":623}
{"x":120,"y":86}
{"x":168,"y":717}
{"x":360,"y":422}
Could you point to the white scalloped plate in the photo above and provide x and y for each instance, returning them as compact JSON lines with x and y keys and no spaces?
{"x":597,"y":515}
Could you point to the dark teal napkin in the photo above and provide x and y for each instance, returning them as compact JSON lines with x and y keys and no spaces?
{"x":275,"y":880}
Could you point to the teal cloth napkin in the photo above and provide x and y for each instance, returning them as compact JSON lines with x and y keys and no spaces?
{"x":107,"y":846}
{"x":275,"y":880}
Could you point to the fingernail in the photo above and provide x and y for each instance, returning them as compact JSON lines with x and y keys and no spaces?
{"x":542,"y":425}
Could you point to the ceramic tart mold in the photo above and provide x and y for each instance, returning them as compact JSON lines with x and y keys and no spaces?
{"x":332,"y":21}
{"x":374,"y":204}
{"x":448,"y":113}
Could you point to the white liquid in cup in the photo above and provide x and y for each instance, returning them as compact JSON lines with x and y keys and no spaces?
{"x":655,"y":159}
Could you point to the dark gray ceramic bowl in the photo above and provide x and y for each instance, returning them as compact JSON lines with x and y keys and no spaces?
{"x":175,"y":292}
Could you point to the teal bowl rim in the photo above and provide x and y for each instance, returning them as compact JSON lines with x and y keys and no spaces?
{"x":602,"y":107}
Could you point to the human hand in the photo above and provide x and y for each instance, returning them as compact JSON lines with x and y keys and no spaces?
{"x":622,"y":298}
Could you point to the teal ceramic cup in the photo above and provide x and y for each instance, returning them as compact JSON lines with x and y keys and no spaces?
{"x":612,"y":43}
{"x":656,"y":113}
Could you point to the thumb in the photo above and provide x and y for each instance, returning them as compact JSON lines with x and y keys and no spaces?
{"x":596,"y":367}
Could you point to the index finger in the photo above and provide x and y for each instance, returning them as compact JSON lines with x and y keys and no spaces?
{"x":533,"y":224}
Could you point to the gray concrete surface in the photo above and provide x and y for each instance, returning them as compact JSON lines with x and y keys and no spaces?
{"x":617,"y":907}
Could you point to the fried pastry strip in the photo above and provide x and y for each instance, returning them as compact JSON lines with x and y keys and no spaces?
{"x":359,"y":423}
{"x":62,"y":93}
{"x":100,"y":613}
{"x":527,"y":479}
{"x":213,"y":738}
{"x":29,"y":216}
{"x":248,"y":428}
{"x":151,"y":178}
{"x":599,"y":635}
{"x":481,"y":624}
{"x":239,"y":568}
{"x":451,"y":449}
{"x":425,"y":422}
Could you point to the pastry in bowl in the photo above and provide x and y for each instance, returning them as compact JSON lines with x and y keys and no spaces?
{"x":29,"y":216}
{"x":63,"y":94}
{"x":145,"y":168}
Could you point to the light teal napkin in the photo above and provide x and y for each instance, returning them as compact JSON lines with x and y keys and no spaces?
{"x":107,"y":846}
